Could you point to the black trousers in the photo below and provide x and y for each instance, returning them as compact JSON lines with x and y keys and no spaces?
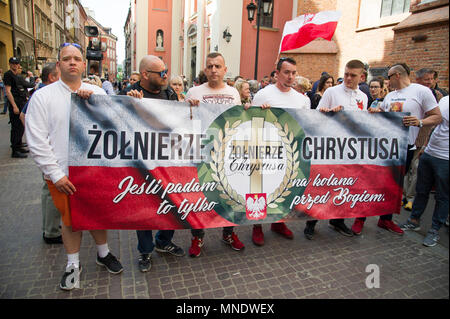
{"x":17,"y":129}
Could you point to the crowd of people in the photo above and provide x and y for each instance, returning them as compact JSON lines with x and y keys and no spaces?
{"x":47,"y":127}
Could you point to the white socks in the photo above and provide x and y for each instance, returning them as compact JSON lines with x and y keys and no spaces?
{"x":74,"y":259}
{"x":102,"y":250}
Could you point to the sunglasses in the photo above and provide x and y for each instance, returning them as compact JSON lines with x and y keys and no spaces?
{"x":161,"y":74}
{"x":389,"y":76}
{"x":76,"y":45}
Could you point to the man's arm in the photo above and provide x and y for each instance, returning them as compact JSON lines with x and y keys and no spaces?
{"x":432,"y":117}
{"x":11,"y":99}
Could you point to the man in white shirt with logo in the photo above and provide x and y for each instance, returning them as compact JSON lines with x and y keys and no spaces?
{"x":47,"y":130}
{"x":346,"y":96}
{"x":215,"y":91}
{"x":281,"y":94}
{"x":420,"y":102}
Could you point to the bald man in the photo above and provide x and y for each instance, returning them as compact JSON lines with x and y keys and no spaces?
{"x":154,"y":81}
{"x":153,"y":85}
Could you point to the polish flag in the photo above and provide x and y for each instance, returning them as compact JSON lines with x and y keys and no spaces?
{"x":307,"y":27}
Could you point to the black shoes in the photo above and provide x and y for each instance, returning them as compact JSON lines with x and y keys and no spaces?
{"x":52,"y":240}
{"x":309,"y":231}
{"x":18,"y":154}
{"x":339,"y":226}
{"x":111,"y":263}
{"x":145,"y":262}
{"x":171,"y":249}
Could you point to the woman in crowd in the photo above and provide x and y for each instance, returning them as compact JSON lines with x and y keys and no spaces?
{"x":176,"y":82}
{"x":325,"y":82}
{"x":303,"y":85}
{"x":243,"y":88}
{"x":376,"y":87}
{"x":134,"y":77}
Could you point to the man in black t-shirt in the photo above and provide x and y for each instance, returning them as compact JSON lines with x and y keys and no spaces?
{"x":152,"y":85}
{"x":17,"y":96}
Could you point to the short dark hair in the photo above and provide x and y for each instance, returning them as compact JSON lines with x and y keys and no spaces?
{"x":420,"y":74}
{"x":355,"y":64}
{"x":48,"y":69}
{"x":282,"y":60}
{"x":378,"y":79}
{"x":214,"y":55}
{"x":322,"y":81}
{"x":404,"y":66}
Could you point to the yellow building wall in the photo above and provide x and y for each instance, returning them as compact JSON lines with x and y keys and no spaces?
{"x":6,"y":46}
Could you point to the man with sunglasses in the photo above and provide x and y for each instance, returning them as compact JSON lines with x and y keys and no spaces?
{"x":47,"y":130}
{"x":154,"y":81}
{"x":153,"y":85}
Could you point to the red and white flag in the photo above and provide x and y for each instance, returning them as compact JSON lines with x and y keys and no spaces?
{"x":308,"y":27}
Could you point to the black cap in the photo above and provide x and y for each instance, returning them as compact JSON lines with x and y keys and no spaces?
{"x":14,"y":60}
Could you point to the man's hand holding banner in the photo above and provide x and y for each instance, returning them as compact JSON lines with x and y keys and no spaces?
{"x":144,"y":164}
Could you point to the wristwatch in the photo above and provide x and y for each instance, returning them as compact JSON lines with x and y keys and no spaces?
{"x":420,"y":123}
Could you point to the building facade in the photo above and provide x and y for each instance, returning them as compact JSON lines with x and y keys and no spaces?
{"x":184,"y":32}
{"x":6,"y":34}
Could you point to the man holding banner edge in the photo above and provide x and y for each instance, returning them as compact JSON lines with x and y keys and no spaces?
{"x":47,"y":131}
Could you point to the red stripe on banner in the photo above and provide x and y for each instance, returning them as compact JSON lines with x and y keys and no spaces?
{"x":92,"y":205}
{"x":307,"y":33}
{"x":95,"y":209}
{"x":371,"y":179}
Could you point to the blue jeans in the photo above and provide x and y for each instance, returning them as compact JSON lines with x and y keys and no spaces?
{"x":145,"y":240}
{"x":432,"y":171}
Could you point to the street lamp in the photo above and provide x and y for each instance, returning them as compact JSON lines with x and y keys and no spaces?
{"x":227,"y":35}
{"x":266,"y":7}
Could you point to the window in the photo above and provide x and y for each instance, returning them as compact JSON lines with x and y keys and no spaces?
{"x":393,"y":7}
{"x":267,"y":21}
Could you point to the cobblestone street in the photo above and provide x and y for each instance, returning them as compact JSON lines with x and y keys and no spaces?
{"x":329,"y":266}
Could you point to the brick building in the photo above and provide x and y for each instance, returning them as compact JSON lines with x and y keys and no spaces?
{"x":379,"y":33}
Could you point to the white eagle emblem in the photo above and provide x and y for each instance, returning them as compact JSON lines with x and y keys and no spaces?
{"x":256,"y":206}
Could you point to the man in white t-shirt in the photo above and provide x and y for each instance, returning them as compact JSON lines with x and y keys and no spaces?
{"x":346,"y":96}
{"x":433,"y":171}
{"x":420,"y":102}
{"x":215,"y":91}
{"x":47,"y":130}
{"x":280,"y":94}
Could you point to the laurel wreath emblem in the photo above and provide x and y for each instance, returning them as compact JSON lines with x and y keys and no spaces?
{"x":236,"y":201}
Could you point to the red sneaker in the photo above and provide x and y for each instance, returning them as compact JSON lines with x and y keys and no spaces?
{"x":258,"y":235}
{"x":391,"y":226}
{"x":196,"y":246}
{"x":282,"y":229}
{"x":233,"y":241}
{"x":357,"y":226}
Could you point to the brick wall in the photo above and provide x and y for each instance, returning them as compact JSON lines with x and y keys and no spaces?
{"x":431,"y":53}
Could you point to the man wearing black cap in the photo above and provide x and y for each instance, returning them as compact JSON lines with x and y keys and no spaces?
{"x":17,"y":95}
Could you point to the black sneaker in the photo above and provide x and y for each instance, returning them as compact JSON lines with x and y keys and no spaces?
{"x":52,"y":240}
{"x":145,"y":262}
{"x":340,"y":227}
{"x":171,"y":249}
{"x":17,"y":154}
{"x":23,"y":150}
{"x":70,"y":283}
{"x":309,"y":231}
{"x":111,"y":263}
